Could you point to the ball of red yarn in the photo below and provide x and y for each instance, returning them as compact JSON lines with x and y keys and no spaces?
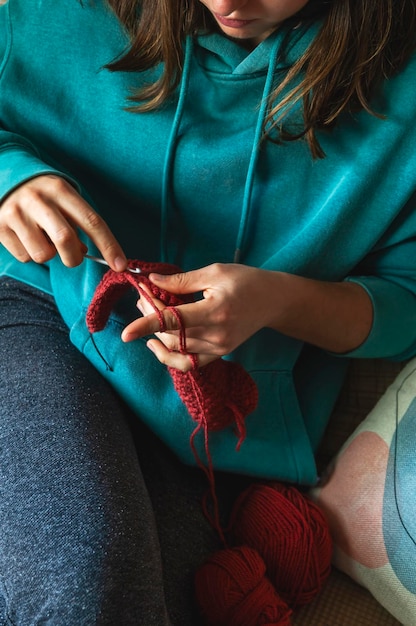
{"x":232,"y":590}
{"x":290,"y":533}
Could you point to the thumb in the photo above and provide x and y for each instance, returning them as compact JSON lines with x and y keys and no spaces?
{"x":182,"y":283}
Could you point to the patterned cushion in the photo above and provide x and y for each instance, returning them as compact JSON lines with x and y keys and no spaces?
{"x":369,"y":495}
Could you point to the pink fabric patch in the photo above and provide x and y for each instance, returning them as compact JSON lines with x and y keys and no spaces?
{"x":353,"y":500}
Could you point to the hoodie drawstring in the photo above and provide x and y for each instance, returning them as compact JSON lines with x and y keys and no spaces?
{"x":170,"y":150}
{"x":251,"y":172}
{"x":242,"y":234}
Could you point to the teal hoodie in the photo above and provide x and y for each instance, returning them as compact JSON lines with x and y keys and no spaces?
{"x":189,"y":184}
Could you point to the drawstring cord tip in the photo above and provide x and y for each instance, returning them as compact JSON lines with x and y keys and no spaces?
{"x":237,"y":256}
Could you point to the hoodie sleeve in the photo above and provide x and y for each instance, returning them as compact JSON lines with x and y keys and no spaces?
{"x":388,"y":274}
{"x":393,"y":333}
{"x":19,"y":162}
{"x":19,"y":159}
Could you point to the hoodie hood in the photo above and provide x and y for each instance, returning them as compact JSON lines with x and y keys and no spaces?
{"x":217,"y":53}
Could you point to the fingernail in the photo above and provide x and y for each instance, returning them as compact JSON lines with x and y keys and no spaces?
{"x":127,"y":336}
{"x":159,"y":277}
{"x":120,"y":264}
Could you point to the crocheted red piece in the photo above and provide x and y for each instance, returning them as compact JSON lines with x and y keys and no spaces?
{"x":217,"y":395}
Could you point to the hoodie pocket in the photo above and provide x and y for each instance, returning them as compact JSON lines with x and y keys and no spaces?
{"x":277,"y":445}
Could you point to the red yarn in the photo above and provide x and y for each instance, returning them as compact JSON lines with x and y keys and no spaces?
{"x":232,"y":590}
{"x":218,"y":395}
{"x":290,"y":533}
{"x":114,"y":285}
{"x":281,"y":533}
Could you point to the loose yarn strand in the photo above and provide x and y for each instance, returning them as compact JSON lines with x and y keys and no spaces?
{"x":208,"y":469}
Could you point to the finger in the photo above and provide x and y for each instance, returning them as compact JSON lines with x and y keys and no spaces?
{"x":201,"y":337}
{"x":93,"y":225}
{"x":20,"y":234}
{"x":13,"y":245}
{"x":182,"y":362}
{"x":193,"y":344}
{"x":172,"y":341}
{"x":33,"y":239}
{"x":192,"y":313}
{"x":50,"y":235}
{"x":63,"y":210}
{"x":183,"y":282}
{"x":147,"y":303}
{"x":39,"y":213}
{"x":196,"y":346}
{"x":171,"y":338}
{"x":162,"y":321}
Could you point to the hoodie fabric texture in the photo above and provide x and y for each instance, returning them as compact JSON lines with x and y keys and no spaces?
{"x":190,"y":184}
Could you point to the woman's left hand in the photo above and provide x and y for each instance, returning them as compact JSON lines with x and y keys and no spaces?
{"x":239,"y":300}
{"x":232,"y":309}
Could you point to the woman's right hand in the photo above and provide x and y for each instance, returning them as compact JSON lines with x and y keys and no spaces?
{"x":40,"y":218}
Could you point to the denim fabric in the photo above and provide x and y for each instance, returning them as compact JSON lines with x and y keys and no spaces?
{"x":79,"y":543}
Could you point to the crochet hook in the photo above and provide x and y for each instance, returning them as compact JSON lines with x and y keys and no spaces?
{"x":133,"y":270}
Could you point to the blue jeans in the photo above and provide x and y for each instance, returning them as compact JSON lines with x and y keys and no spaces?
{"x":88,"y":536}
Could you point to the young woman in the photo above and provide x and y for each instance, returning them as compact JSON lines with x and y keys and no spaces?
{"x":266,"y":147}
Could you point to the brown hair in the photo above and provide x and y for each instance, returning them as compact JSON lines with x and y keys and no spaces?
{"x":360,"y":43}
